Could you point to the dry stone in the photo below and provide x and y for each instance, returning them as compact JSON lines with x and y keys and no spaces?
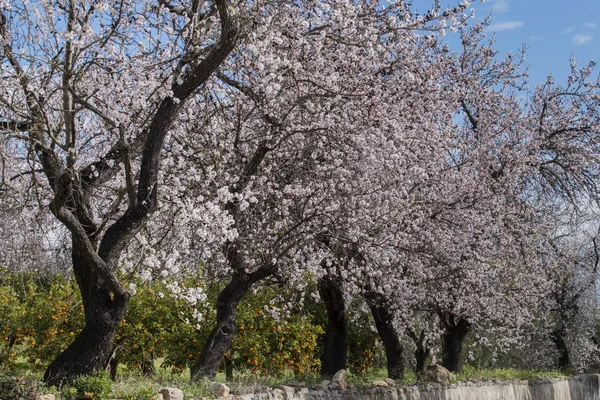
{"x":437,"y":374}
{"x":45,"y":397}
{"x":390,"y":382}
{"x":169,"y":393}
{"x":341,"y":378}
{"x":219,"y":389}
{"x":324,"y":384}
{"x":279,"y":394}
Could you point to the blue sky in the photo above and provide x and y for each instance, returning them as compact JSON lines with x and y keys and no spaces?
{"x":552,"y":29}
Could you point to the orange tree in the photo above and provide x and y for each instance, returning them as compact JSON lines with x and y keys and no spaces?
{"x":274,"y":336}
{"x":12,"y":311}
{"x":36,"y":316}
{"x":362,"y":340}
{"x":41,"y":317}
{"x":159,"y":324}
{"x":54,"y":316}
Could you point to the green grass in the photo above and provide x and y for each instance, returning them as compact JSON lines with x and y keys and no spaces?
{"x":132,"y":385}
{"x":471,"y":374}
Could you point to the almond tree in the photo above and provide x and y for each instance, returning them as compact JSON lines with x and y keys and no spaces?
{"x":467,"y":242}
{"x":90,"y":90}
{"x":298,"y":99}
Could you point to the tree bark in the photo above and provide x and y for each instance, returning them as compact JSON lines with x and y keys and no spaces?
{"x":219,"y":340}
{"x":558,"y":337}
{"x":228,"y":369}
{"x":94,"y":261}
{"x":455,"y":331}
{"x":114,"y":367}
{"x":394,"y":351}
{"x":335,"y":351}
{"x":92,"y":348}
{"x":422,"y":351}
{"x":421,"y":356}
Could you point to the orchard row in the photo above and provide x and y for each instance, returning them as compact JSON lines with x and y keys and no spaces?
{"x":335,"y":143}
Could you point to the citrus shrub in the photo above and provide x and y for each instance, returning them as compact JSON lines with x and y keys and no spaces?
{"x":12,"y":333}
{"x":273,"y":337}
{"x":37,"y":316}
{"x":159,"y":324}
{"x":43,"y":316}
{"x":363,"y":340}
{"x":53,"y":319}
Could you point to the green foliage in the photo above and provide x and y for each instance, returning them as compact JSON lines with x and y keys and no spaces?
{"x":54,"y":318}
{"x":40,"y":317}
{"x":15,"y":291}
{"x":157,"y":325}
{"x":140,"y":394}
{"x":11,"y":332}
{"x":278,"y":330}
{"x":268,"y":343}
{"x":94,"y":387}
{"x":363,"y":349}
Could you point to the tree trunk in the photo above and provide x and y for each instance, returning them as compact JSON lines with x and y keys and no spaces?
{"x":114,"y":367}
{"x":92,"y":348}
{"x":558,"y":337}
{"x":422,"y":350}
{"x":335,"y":351}
{"x":228,"y":369}
{"x":394,"y":351}
{"x":421,"y":355}
{"x":455,"y":331}
{"x":148,"y":368}
{"x":221,"y":336}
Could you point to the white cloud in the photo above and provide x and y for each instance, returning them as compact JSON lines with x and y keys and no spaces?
{"x":536,"y":38}
{"x":500,"y":6}
{"x":584,"y":26}
{"x":581,"y":39}
{"x":505,"y":26}
{"x":568,"y":30}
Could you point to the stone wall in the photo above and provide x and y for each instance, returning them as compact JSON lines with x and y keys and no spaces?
{"x":582,"y":387}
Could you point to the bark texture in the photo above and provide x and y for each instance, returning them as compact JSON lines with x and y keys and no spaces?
{"x":422,"y":351}
{"x":92,"y":348}
{"x":455,"y":331}
{"x":221,"y":336}
{"x":335,"y":350}
{"x":394,"y":351}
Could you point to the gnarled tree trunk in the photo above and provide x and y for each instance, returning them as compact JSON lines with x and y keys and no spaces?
{"x":95,"y":259}
{"x":221,"y":336}
{"x":455,"y":331}
{"x":335,"y":351}
{"x":394,"y":351}
{"x":104,"y":309}
{"x":421,"y":356}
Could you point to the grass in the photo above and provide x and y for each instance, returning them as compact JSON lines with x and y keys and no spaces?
{"x":471,"y":374}
{"x":132,"y":385}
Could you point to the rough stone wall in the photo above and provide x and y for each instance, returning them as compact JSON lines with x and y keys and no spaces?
{"x":582,"y":387}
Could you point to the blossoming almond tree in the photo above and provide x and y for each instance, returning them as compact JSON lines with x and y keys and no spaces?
{"x":472,"y":254}
{"x":295,"y":102}
{"x":90,"y":90}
